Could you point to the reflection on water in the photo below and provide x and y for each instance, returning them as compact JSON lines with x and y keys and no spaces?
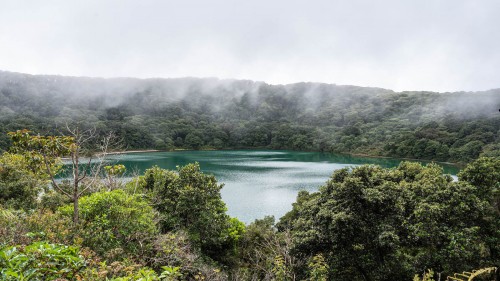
{"x":258,"y":183}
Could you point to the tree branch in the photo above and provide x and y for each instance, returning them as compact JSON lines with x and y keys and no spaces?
{"x":51,"y":175}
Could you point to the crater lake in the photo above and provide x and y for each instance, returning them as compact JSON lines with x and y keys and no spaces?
{"x":258,"y":183}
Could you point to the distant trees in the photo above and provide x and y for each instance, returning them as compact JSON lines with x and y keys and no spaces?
{"x":183,"y":114}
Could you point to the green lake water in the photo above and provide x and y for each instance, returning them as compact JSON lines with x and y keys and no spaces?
{"x":258,"y":183}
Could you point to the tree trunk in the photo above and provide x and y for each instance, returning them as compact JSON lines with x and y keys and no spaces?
{"x":366,"y":277}
{"x":76,"y":170}
{"x":75,"y":209}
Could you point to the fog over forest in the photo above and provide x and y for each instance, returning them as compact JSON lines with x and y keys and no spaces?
{"x":208,"y":112}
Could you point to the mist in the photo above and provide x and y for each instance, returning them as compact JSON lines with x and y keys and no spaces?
{"x":400,"y":45}
{"x":219,"y":93}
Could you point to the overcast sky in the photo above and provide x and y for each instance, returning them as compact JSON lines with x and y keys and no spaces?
{"x":402,"y":45}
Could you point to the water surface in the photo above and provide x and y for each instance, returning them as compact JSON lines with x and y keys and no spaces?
{"x":259,"y":183}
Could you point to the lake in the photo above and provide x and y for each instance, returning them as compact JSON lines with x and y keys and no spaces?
{"x":259,"y":183}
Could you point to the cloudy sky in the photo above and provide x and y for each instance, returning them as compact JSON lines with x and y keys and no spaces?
{"x":439,"y":45}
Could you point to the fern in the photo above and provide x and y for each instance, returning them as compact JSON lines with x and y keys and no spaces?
{"x":469,"y":276}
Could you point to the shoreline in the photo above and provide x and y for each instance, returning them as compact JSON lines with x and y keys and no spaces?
{"x":404,"y":158}
{"x":131,"y":151}
{"x":119,"y":152}
{"x":455,"y":164}
{"x":459,"y":165}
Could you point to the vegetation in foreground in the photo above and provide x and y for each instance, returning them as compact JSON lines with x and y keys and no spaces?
{"x":365,"y":223}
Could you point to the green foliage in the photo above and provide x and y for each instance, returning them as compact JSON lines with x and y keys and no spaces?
{"x":190,"y":199}
{"x":318,"y":268}
{"x":52,"y":200}
{"x":40,"y":261}
{"x":427,"y":276}
{"x":20,"y":228}
{"x":115,"y":170}
{"x":264,"y":253}
{"x":386,"y":224}
{"x":42,"y":153}
{"x":174,"y":248}
{"x":280,"y":269}
{"x":141,"y":274}
{"x":48,"y":226}
{"x":483,"y":173}
{"x":235,"y":230}
{"x":255,"y":250}
{"x":12,"y":227}
{"x":182,"y":258}
{"x":170,"y":273}
{"x":112,"y":172}
{"x":117,"y":271}
{"x":19,"y":185}
{"x":114,"y":223}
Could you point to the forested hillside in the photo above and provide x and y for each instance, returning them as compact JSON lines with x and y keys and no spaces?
{"x":210,"y":113}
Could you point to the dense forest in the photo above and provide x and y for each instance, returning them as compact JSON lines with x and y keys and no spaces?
{"x":194,"y":113}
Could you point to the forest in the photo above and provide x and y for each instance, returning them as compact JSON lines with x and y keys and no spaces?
{"x":365,"y":223}
{"x":193,"y":113}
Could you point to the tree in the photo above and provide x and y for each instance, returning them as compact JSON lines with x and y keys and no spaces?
{"x":45,"y":152}
{"x":484,"y":174}
{"x":189,"y":199}
{"x":371,"y":223}
{"x":193,"y":141}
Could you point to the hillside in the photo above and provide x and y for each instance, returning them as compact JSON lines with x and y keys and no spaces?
{"x":198,"y":113}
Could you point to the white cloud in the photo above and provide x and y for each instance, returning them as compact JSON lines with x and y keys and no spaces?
{"x":402,"y":45}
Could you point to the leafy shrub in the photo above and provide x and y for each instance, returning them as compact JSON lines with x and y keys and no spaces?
{"x":174,"y":249}
{"x":19,"y":185}
{"x":53,"y":200}
{"x":12,"y":227}
{"x":40,"y":261}
{"x":119,"y":271}
{"x":50,"y":226}
{"x":20,"y":228}
{"x":318,"y":268}
{"x":175,"y":252}
{"x":114,"y":222}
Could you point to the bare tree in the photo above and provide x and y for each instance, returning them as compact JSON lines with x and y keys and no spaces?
{"x":88,"y":175}
{"x":78,"y":145}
